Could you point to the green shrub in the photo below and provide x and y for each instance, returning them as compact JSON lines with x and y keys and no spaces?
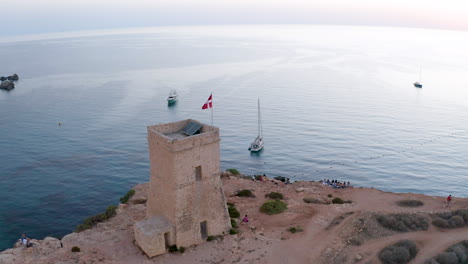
{"x":274,"y":195}
{"x":273,"y":207}
{"x":337,"y":200}
{"x":233,"y":231}
{"x":234,"y":223}
{"x":295,"y":229}
{"x":111,"y":211}
{"x":93,"y":220}
{"x":403,"y":222}
{"x":173,"y":248}
{"x":399,"y":253}
{"x":245,"y":193}
{"x":233,"y":213}
{"x":409,"y":203}
{"x":75,"y":249}
{"x":330,"y":195}
{"x":127,"y":196}
{"x":230,"y":204}
{"x":210,"y":238}
{"x":233,"y":171}
{"x":182,"y":249}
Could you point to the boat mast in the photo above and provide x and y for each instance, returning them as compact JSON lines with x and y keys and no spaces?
{"x":259,"y":120}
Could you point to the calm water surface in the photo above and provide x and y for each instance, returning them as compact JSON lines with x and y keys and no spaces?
{"x":337,"y":102}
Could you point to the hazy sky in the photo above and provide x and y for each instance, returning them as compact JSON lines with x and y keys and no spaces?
{"x":40,"y":16}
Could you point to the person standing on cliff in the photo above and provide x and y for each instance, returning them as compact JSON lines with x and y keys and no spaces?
{"x":449,"y":200}
{"x":24,"y":240}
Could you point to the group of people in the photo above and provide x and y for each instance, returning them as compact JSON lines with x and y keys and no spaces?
{"x":25,"y":241}
{"x":276,"y":180}
{"x":336,"y":183}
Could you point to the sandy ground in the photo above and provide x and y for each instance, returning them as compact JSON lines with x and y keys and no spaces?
{"x":327,"y":237}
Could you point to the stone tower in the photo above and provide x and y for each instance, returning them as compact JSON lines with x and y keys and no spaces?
{"x":186,"y":201}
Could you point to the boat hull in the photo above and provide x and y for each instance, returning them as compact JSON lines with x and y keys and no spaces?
{"x":256,"y":145}
{"x":417,"y":85}
{"x":256,"y":149}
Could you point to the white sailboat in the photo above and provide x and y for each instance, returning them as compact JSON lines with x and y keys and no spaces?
{"x":418,"y":83}
{"x":257,"y":144}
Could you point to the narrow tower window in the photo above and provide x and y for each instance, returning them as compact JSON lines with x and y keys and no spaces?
{"x":203,"y":230}
{"x":198,"y":173}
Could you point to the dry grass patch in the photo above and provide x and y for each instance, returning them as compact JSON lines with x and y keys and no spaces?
{"x":457,"y":253}
{"x":403,"y":222}
{"x":409,"y":203}
{"x":401,"y":252}
{"x":458,"y":218}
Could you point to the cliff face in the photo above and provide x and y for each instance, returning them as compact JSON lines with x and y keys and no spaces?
{"x":328,"y":233}
{"x":108,"y":241}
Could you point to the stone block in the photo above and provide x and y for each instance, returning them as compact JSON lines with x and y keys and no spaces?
{"x":149,"y":235}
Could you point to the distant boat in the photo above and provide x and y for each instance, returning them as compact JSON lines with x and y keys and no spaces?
{"x":257,"y":144}
{"x":172,"y":98}
{"x":418,"y":83}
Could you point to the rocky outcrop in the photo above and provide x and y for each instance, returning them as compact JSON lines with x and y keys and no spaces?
{"x":7,"y":85}
{"x":13,"y":77}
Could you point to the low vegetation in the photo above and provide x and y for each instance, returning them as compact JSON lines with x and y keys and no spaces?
{"x":173,"y":248}
{"x":455,"y":254}
{"x":403,"y":222}
{"x":401,"y":252}
{"x":337,"y":200}
{"x":330,"y":195}
{"x":273,"y":207}
{"x":274,"y":195}
{"x":182,"y":249}
{"x":233,"y":171}
{"x":454,"y":219}
{"x":233,"y":213}
{"x":127,"y":196}
{"x":313,"y":200}
{"x":409,"y":203}
{"x":337,"y":220}
{"x":210,"y":238}
{"x":245,"y":193}
{"x":94,"y":220}
{"x":295,"y":229}
{"x":234,"y":223}
{"x":75,"y":249}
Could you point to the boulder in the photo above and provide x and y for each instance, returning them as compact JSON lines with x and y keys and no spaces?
{"x":7,"y":85}
{"x":13,"y":77}
{"x":51,"y":242}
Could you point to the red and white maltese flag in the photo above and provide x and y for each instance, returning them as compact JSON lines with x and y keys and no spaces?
{"x":209,"y":102}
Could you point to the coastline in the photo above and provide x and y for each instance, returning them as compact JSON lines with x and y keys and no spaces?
{"x":328,"y":230}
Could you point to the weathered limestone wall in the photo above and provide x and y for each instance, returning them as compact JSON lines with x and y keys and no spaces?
{"x":174,"y":191}
{"x":162,"y":192}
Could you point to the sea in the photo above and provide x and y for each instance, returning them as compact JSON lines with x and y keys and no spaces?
{"x":337,"y":102}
